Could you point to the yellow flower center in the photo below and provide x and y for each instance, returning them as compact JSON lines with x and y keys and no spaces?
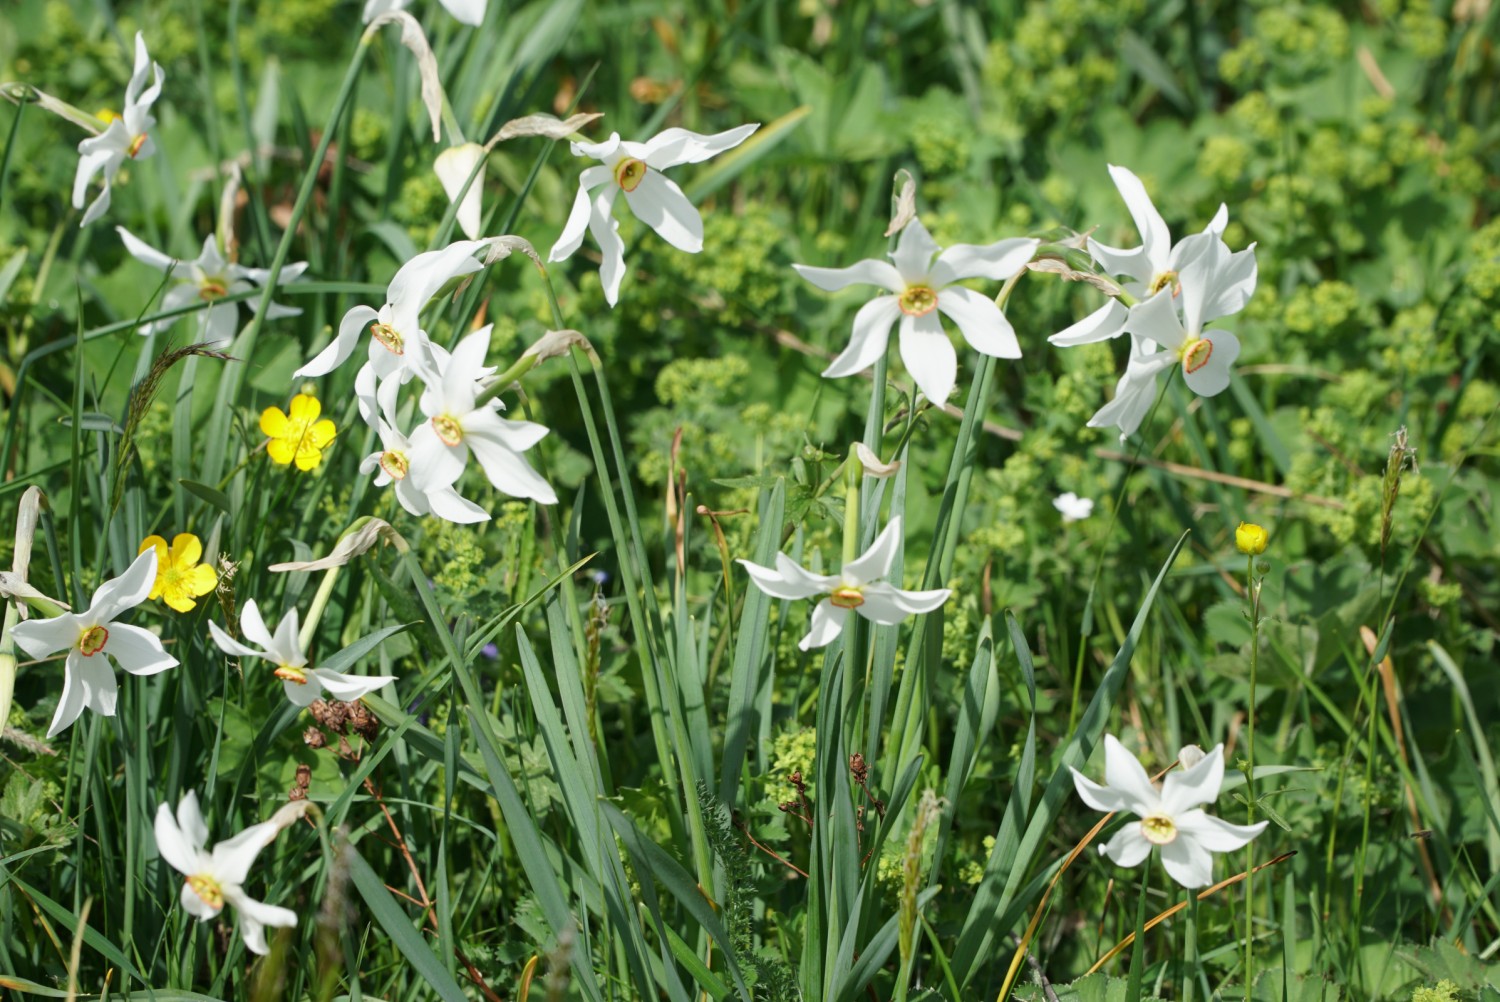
{"x":1158,"y":829}
{"x":1161,"y":281}
{"x":847,"y":598}
{"x":208,"y":889}
{"x":449,"y":431}
{"x":387,"y":336}
{"x":211,"y":288}
{"x":289,"y":673}
{"x":106,"y":115}
{"x":1195,"y":354}
{"x":394,"y":464}
{"x":918,"y":300}
{"x":630,"y":173}
{"x":92,"y":641}
{"x":135,"y":145}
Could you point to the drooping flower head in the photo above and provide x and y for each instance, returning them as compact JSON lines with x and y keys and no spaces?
{"x":920,"y":288}
{"x":1171,"y":818}
{"x":180,"y":578}
{"x":209,"y":279}
{"x":398,"y":344}
{"x":92,"y":638}
{"x":860,"y":586}
{"x":634,"y":169}
{"x":303,"y":685}
{"x":217,"y":877}
{"x":453,"y":167}
{"x":124,"y":138}
{"x":298,"y":435}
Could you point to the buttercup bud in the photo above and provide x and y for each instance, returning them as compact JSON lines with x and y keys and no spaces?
{"x":1250,"y":539}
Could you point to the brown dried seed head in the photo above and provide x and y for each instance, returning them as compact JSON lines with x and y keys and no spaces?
{"x":304,"y":775}
{"x":314,"y":737}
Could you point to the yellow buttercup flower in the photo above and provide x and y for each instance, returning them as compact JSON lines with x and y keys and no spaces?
{"x":1250,"y":539}
{"x":297,"y":436}
{"x":180,"y":578}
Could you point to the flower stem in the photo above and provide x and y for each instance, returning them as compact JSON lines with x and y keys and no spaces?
{"x":853,"y":471}
{"x":1087,"y":624}
{"x":315,"y":611}
{"x":1138,"y":950}
{"x":1254,"y":596}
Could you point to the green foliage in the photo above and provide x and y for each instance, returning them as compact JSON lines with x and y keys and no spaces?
{"x":575,"y":811}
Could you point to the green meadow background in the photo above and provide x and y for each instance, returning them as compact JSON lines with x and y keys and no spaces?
{"x":569,"y":672}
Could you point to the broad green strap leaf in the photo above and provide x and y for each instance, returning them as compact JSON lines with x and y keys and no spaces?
{"x":398,"y":925}
{"x":986,"y":916}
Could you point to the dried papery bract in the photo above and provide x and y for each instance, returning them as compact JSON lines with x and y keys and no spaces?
{"x":872,"y":464}
{"x":364,"y":534}
{"x":427,"y":67}
{"x":27,"y":514}
{"x":546,"y":126}
{"x":905,"y":203}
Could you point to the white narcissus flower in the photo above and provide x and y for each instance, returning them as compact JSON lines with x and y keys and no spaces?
{"x":398,"y":344}
{"x":92,"y":637}
{"x":208,"y":279}
{"x":635,"y":169}
{"x":1213,"y":284}
{"x":1151,"y":267}
{"x":470,"y":12}
{"x":124,"y":138}
{"x":456,"y":426}
{"x":920,"y":289}
{"x":453,"y":167}
{"x":394,"y":461}
{"x":216,"y":877}
{"x":1072,"y":507}
{"x":1135,"y":391}
{"x":303,"y":685}
{"x":1171,"y":818}
{"x":859,"y":586}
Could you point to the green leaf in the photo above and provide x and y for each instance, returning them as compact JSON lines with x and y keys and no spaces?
{"x":203,"y":492}
{"x":398,"y":925}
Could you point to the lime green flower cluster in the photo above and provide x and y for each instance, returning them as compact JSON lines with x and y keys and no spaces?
{"x":1053,"y":65}
{"x":749,"y":269}
{"x":791,"y":751}
{"x":1443,"y":991}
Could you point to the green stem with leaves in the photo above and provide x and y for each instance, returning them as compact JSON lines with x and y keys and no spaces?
{"x":1253,"y":590}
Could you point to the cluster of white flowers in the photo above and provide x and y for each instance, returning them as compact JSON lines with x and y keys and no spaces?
{"x":1166,"y":293}
{"x":1173,"y":291}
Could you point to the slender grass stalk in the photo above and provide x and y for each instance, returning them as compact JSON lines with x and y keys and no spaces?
{"x":1086,"y":624}
{"x":1138,"y":951}
{"x":1253,"y":593}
